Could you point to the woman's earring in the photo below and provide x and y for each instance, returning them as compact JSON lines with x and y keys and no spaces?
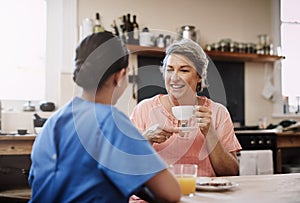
{"x":198,"y":88}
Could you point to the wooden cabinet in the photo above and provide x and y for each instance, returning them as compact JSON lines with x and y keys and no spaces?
{"x":288,"y":139}
{"x":288,"y":145}
{"x":16,"y":145}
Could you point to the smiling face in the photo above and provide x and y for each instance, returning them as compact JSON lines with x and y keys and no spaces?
{"x":181,"y":78}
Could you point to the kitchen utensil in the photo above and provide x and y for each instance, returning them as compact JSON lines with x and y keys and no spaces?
{"x":146,"y":38}
{"x":188,"y":32}
{"x":183,"y":112}
{"x":38,"y":121}
{"x":28,"y":106}
{"x":47,"y":106}
{"x":22,"y":131}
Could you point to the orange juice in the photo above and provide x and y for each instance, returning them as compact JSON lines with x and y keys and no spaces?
{"x":187,"y":184}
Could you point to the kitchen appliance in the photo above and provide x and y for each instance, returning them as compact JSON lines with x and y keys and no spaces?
{"x":259,"y":140}
{"x":188,"y":32}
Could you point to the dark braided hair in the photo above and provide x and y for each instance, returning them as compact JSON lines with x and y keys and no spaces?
{"x":98,"y":56}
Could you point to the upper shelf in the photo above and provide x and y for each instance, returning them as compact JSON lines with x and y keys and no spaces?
{"x":242,"y":57}
{"x":146,"y":51}
{"x":214,"y":55}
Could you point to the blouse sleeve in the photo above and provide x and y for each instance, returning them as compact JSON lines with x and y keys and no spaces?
{"x":225,"y":129}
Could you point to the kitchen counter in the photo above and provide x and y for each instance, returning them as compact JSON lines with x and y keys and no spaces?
{"x":16,"y":144}
{"x":288,"y":139}
{"x":265,"y":131}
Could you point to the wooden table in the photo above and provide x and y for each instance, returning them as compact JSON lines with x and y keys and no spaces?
{"x":283,"y":188}
{"x":261,"y":188}
{"x":280,"y":188}
{"x":16,"y":144}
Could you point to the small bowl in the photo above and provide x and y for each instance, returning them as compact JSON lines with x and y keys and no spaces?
{"x":22,"y":131}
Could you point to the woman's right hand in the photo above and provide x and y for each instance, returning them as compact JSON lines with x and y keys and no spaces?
{"x":157,"y":134}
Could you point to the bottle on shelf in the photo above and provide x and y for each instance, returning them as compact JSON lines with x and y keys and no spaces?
{"x":135,"y":28}
{"x":129,"y":28}
{"x":123,"y":26}
{"x":98,"y":27}
{"x":115,"y":27}
{"x":86,"y":28}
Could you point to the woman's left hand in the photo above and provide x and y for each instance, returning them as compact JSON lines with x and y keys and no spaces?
{"x":157,"y":134}
{"x":203,"y":116}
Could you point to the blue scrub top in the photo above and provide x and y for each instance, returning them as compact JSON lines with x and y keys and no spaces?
{"x":90,"y":152}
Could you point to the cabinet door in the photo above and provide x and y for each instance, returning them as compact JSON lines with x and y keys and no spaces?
{"x":150,"y":79}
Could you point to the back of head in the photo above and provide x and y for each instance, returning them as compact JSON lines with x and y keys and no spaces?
{"x":98,"y":56}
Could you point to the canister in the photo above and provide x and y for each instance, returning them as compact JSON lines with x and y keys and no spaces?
{"x":188,"y":32}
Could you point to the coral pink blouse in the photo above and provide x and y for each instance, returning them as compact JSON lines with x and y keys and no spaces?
{"x":186,"y":150}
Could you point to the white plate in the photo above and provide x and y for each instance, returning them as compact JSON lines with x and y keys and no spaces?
{"x":187,"y":129}
{"x":203,"y":184}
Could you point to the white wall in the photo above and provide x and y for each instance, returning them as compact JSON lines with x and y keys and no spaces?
{"x":240,"y":20}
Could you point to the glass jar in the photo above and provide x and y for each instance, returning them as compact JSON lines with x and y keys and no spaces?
{"x":241,"y":47}
{"x":250,"y":47}
{"x":215,"y":46}
{"x":167,"y":40}
{"x":160,"y":41}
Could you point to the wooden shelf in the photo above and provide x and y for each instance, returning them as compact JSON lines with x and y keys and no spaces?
{"x":242,"y":57}
{"x":214,"y":55}
{"x":146,"y":51}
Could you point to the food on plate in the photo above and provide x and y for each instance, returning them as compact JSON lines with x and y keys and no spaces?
{"x":215,"y":182}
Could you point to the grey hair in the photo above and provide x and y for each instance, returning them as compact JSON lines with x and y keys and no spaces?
{"x":193,"y":52}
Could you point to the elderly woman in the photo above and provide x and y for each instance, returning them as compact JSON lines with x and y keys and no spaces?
{"x":213,"y":144}
{"x":84,"y":152}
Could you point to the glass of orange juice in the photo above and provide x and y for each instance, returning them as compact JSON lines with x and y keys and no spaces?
{"x":186,"y":175}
